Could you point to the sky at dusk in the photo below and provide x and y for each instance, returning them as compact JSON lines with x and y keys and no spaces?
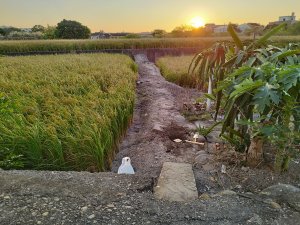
{"x":141,"y":15}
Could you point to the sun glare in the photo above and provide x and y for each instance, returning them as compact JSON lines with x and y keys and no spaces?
{"x":197,"y":22}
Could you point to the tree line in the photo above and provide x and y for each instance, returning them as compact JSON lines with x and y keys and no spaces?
{"x":66,"y":29}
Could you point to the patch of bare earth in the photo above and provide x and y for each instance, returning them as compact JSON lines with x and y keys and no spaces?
{"x":158,"y":121}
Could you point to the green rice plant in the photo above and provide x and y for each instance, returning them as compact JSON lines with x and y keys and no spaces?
{"x":65,"y":112}
{"x":175,"y":69}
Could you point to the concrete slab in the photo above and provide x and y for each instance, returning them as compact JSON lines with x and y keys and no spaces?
{"x":176,"y":183}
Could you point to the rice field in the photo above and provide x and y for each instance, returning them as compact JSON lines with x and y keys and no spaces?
{"x":32,"y":46}
{"x":94,"y":45}
{"x":175,"y":69}
{"x":64,"y":112}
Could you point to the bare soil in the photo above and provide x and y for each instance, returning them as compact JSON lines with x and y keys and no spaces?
{"x":158,"y":121}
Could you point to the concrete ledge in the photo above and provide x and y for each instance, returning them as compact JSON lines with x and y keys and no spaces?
{"x":176,"y":183}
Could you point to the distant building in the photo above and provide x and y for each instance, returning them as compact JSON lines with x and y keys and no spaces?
{"x":100,"y":35}
{"x":119,"y":35}
{"x":210,"y":27}
{"x":283,"y":19}
{"x":145,"y":35}
{"x":248,"y":26}
{"x":290,"y":19}
{"x":220,"y":28}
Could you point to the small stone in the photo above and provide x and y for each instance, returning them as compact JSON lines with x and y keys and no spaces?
{"x":223,"y":169}
{"x":84,"y":209}
{"x":39,"y":222}
{"x":45,"y":214}
{"x":212,"y":179}
{"x":205,"y":196}
{"x":110,"y":205}
{"x":6,"y":197}
{"x":227,"y":192}
{"x":128,"y":207}
{"x":56,"y":199}
{"x":202,"y":159}
{"x":275,"y":205}
{"x":109,"y":210}
{"x":245,"y":169}
{"x":120,"y":194}
{"x":91,"y":216}
{"x":33,"y":213}
{"x":255,"y":220}
{"x":158,"y":127}
{"x":202,"y":152}
{"x":208,"y":167}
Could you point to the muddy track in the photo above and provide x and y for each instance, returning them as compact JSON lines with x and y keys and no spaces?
{"x":156,"y":123}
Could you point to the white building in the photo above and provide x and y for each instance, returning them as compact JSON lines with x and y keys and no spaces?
{"x":291,"y":18}
{"x":248,"y":26}
{"x":220,"y":29}
{"x":100,"y":35}
{"x":244,"y":27}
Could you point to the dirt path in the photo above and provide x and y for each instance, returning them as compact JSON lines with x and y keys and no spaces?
{"x":156,"y":123}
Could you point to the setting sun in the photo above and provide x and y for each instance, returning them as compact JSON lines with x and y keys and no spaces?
{"x":197,"y":22}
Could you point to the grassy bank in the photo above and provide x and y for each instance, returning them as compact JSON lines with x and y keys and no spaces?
{"x":64,"y":112}
{"x":86,"y":45}
{"x":175,"y":69}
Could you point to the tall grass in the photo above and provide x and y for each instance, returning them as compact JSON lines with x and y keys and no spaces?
{"x":175,"y":69}
{"x":65,"y":112}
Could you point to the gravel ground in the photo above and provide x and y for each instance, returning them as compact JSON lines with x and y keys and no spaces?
{"x":31,"y":197}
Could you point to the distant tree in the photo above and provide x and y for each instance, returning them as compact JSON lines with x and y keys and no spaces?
{"x":190,"y":31}
{"x":7,"y":30}
{"x":255,"y":31}
{"x":2,"y":32}
{"x":159,"y":33}
{"x":38,"y":28}
{"x":182,"y":30}
{"x":49,"y":32}
{"x":68,"y":29}
{"x":294,"y":29}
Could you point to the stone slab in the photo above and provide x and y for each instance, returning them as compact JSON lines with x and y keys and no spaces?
{"x":176,"y":183}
